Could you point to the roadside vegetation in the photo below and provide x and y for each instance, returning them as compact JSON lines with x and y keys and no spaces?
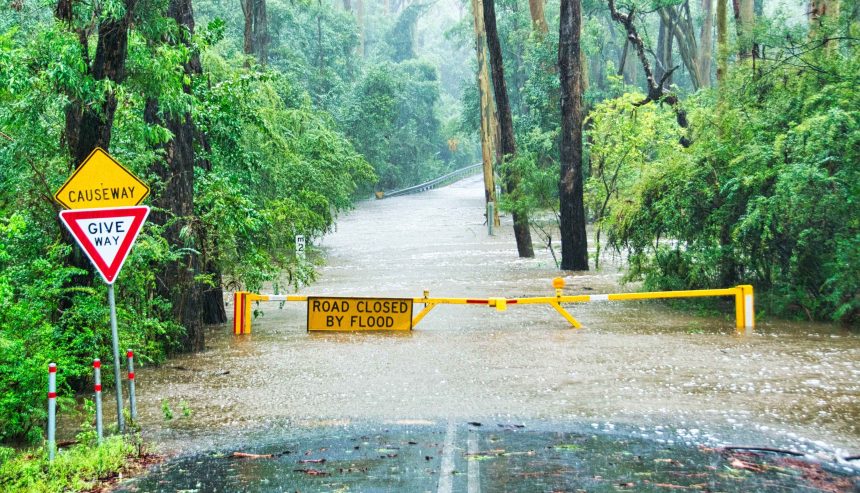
{"x":248,"y":135}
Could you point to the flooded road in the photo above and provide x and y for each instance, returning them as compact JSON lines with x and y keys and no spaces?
{"x":661,"y":375}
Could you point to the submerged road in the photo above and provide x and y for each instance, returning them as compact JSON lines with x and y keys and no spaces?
{"x":469,"y":380}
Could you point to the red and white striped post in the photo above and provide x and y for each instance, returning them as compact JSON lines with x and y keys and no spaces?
{"x":52,"y":410}
{"x":97,"y":367}
{"x":131,"y":397}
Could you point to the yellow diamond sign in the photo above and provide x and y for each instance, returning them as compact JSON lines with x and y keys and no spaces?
{"x":101,"y":182}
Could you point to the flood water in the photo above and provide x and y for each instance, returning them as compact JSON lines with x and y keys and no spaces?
{"x":665,"y":376}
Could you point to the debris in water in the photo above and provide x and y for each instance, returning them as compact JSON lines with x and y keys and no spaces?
{"x":764,"y":449}
{"x":245,"y":455}
{"x":747,"y":466}
{"x":311,"y":472}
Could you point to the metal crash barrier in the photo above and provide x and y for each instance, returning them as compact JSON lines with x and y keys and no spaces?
{"x":361,"y":314}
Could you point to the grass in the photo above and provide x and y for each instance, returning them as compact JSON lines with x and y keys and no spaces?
{"x":77,"y":468}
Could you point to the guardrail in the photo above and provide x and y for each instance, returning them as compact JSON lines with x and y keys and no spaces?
{"x":744,"y":303}
{"x":442,"y":180}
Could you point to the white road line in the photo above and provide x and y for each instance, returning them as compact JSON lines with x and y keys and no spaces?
{"x":474,"y":465}
{"x":446,"y":474}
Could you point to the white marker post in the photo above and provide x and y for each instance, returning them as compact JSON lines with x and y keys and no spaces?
{"x":97,"y":368}
{"x":131,"y":398}
{"x":52,"y":410}
{"x":300,"y":247}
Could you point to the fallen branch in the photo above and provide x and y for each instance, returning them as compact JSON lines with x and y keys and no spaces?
{"x":656,"y":91}
{"x":764,"y":449}
{"x":245,"y":455}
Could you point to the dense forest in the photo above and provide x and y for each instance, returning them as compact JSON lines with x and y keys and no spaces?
{"x":708,"y":144}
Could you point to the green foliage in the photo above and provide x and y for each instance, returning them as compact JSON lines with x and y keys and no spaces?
{"x":390,"y":115}
{"x":625,"y":140}
{"x":401,"y":38}
{"x":75,"y":469}
{"x":166,"y":411}
{"x":767,"y":194}
{"x":278,"y":170}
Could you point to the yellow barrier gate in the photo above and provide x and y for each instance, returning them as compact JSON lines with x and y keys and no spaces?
{"x":355,"y":316}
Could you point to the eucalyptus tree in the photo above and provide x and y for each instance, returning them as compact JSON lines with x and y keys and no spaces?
{"x":522,"y":233}
{"x":574,"y":241}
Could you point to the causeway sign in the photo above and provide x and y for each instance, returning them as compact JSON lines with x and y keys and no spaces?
{"x":359,"y":313}
{"x":100,"y":181}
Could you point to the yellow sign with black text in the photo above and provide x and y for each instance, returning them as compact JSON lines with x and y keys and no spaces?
{"x":359,"y":314}
{"x":101,"y":182}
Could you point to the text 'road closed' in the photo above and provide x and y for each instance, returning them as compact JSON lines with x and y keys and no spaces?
{"x":359,"y":314}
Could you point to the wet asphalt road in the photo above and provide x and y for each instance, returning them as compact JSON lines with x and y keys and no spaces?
{"x":641,"y":380}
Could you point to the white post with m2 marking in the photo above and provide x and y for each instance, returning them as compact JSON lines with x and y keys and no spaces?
{"x":300,"y":247}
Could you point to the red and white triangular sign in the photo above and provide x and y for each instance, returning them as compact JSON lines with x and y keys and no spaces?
{"x":106,"y":235}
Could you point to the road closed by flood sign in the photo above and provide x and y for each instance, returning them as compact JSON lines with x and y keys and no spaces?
{"x":359,"y":314}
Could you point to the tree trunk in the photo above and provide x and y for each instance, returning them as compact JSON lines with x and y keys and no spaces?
{"x":212,"y":297}
{"x":256,"y":31}
{"x":248,"y":33}
{"x":745,"y":15}
{"x":90,"y":127}
{"x":261,"y":31}
{"x":656,"y":92}
{"x":722,"y":41}
{"x":359,"y":18}
{"x":706,"y":41}
{"x":488,"y":114}
{"x":538,"y":17}
{"x":174,"y":206}
{"x":629,"y":66}
{"x":664,"y":52}
{"x":819,"y":10}
{"x":682,"y":27}
{"x":506,"y":125}
{"x":574,"y":241}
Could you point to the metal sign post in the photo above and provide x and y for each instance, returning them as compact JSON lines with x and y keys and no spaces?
{"x":115,"y":341}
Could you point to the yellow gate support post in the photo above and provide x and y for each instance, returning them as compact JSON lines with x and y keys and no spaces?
{"x":239,"y":312}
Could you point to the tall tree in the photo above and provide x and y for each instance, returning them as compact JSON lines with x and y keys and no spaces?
{"x":574,"y":241}
{"x":175,"y":204}
{"x":489,"y":125}
{"x":89,"y":125}
{"x":522,"y":233}
{"x":256,"y":31}
{"x":359,"y":17}
{"x":722,"y":40}
{"x":656,"y":87}
{"x":695,"y":53}
{"x":663,"y":60}
{"x":706,"y":43}
{"x":538,"y":16}
{"x":745,"y":19}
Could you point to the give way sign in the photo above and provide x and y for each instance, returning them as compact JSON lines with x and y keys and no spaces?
{"x":106,"y":235}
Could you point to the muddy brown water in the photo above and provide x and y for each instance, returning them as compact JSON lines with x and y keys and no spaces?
{"x":677,"y":377}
